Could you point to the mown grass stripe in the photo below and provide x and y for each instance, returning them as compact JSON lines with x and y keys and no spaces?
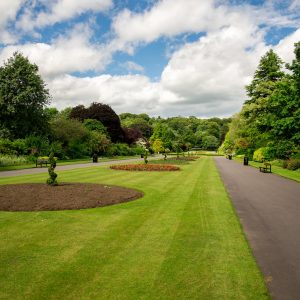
{"x":181,"y":241}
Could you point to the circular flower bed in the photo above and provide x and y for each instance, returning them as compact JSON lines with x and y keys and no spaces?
{"x":42,"y":197}
{"x":145,"y":167}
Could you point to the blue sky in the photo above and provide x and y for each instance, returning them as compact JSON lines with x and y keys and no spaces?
{"x":167,"y":57}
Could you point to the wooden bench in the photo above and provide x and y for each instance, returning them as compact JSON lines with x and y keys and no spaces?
{"x":266,"y":168}
{"x":41,"y":162}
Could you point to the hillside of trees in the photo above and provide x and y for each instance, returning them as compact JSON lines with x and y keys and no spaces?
{"x":28,"y":127}
{"x":268,"y":126}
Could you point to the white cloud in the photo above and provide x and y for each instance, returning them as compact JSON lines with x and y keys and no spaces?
{"x":132,"y":93}
{"x":58,"y":11}
{"x":295,"y":4}
{"x":204,"y":78}
{"x":66,"y":54}
{"x":285,"y":48}
{"x":131,"y":66}
{"x":212,"y":72}
{"x":8,"y":12}
{"x":169,"y":18}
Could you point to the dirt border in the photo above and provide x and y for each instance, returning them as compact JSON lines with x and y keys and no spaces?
{"x":65,"y":196}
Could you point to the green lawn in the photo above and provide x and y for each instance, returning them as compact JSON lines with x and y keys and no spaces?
{"x":290,"y":174}
{"x":182,"y":240}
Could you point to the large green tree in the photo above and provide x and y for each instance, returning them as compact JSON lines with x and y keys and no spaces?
{"x":23,"y":96}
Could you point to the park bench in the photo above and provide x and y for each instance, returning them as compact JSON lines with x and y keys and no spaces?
{"x":41,"y":162}
{"x":266,"y":168}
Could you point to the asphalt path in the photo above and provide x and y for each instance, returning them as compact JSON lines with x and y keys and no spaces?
{"x":39,"y":170}
{"x":269,"y":210}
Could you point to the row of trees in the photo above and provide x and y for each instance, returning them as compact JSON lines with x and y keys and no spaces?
{"x":268,"y":125}
{"x":28,"y":126}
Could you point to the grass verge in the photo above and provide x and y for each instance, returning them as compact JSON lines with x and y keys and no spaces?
{"x":290,"y":174}
{"x":182,"y":240}
{"x":66,"y":162}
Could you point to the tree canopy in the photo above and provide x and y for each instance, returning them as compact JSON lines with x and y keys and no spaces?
{"x":23,"y":95}
{"x":270,"y":118}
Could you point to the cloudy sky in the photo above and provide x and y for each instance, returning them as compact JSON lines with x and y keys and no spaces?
{"x":167,"y":57}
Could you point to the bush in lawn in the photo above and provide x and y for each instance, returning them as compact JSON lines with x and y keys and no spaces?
{"x":12,"y":160}
{"x":6,"y":146}
{"x":284,"y":149}
{"x":52,"y":179}
{"x":293,"y":164}
{"x":262,"y":154}
{"x":77,"y":149}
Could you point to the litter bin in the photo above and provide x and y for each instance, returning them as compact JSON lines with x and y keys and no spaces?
{"x":95,"y":158}
{"x":246,"y":160}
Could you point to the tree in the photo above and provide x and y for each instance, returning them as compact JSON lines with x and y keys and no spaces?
{"x":158,"y":146}
{"x":267,"y":73}
{"x":210,"y":142}
{"x":295,"y":67}
{"x":23,"y":95}
{"x":94,"y":125}
{"x":103,"y":113}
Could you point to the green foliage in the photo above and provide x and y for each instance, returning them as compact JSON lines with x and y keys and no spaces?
{"x":103,"y":113}
{"x":52,"y":175}
{"x":98,"y":142}
{"x":271,"y":116}
{"x":263,"y":154}
{"x":37,"y":145}
{"x":146,"y":156}
{"x":120,"y":149}
{"x":140,"y":122}
{"x":293,"y":164}
{"x":158,"y":146}
{"x":12,"y":160}
{"x":94,"y":125}
{"x":210,"y":142}
{"x":23,"y":97}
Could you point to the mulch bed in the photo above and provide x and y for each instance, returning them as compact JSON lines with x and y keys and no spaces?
{"x":42,"y":197}
{"x":145,"y":167}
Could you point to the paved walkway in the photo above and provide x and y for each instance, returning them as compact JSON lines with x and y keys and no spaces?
{"x":269,"y":209}
{"x":67,"y":167}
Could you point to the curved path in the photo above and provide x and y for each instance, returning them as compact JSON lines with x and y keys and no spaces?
{"x":68,"y":167}
{"x":269,"y":209}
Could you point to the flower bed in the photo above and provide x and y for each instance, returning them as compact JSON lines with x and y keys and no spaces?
{"x":185,"y":158}
{"x":145,"y":167}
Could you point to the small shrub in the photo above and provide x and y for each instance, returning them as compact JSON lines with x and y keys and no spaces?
{"x":52,"y":175}
{"x":12,"y":160}
{"x":262,"y":154}
{"x":258,"y":155}
{"x":293,"y":164}
{"x":285,"y":164}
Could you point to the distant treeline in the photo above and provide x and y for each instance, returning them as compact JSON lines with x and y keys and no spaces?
{"x":29,"y":127}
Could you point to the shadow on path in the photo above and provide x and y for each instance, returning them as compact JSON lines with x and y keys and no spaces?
{"x":269,"y":209}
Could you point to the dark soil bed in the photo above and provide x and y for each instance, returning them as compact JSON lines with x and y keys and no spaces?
{"x":41,"y":197}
